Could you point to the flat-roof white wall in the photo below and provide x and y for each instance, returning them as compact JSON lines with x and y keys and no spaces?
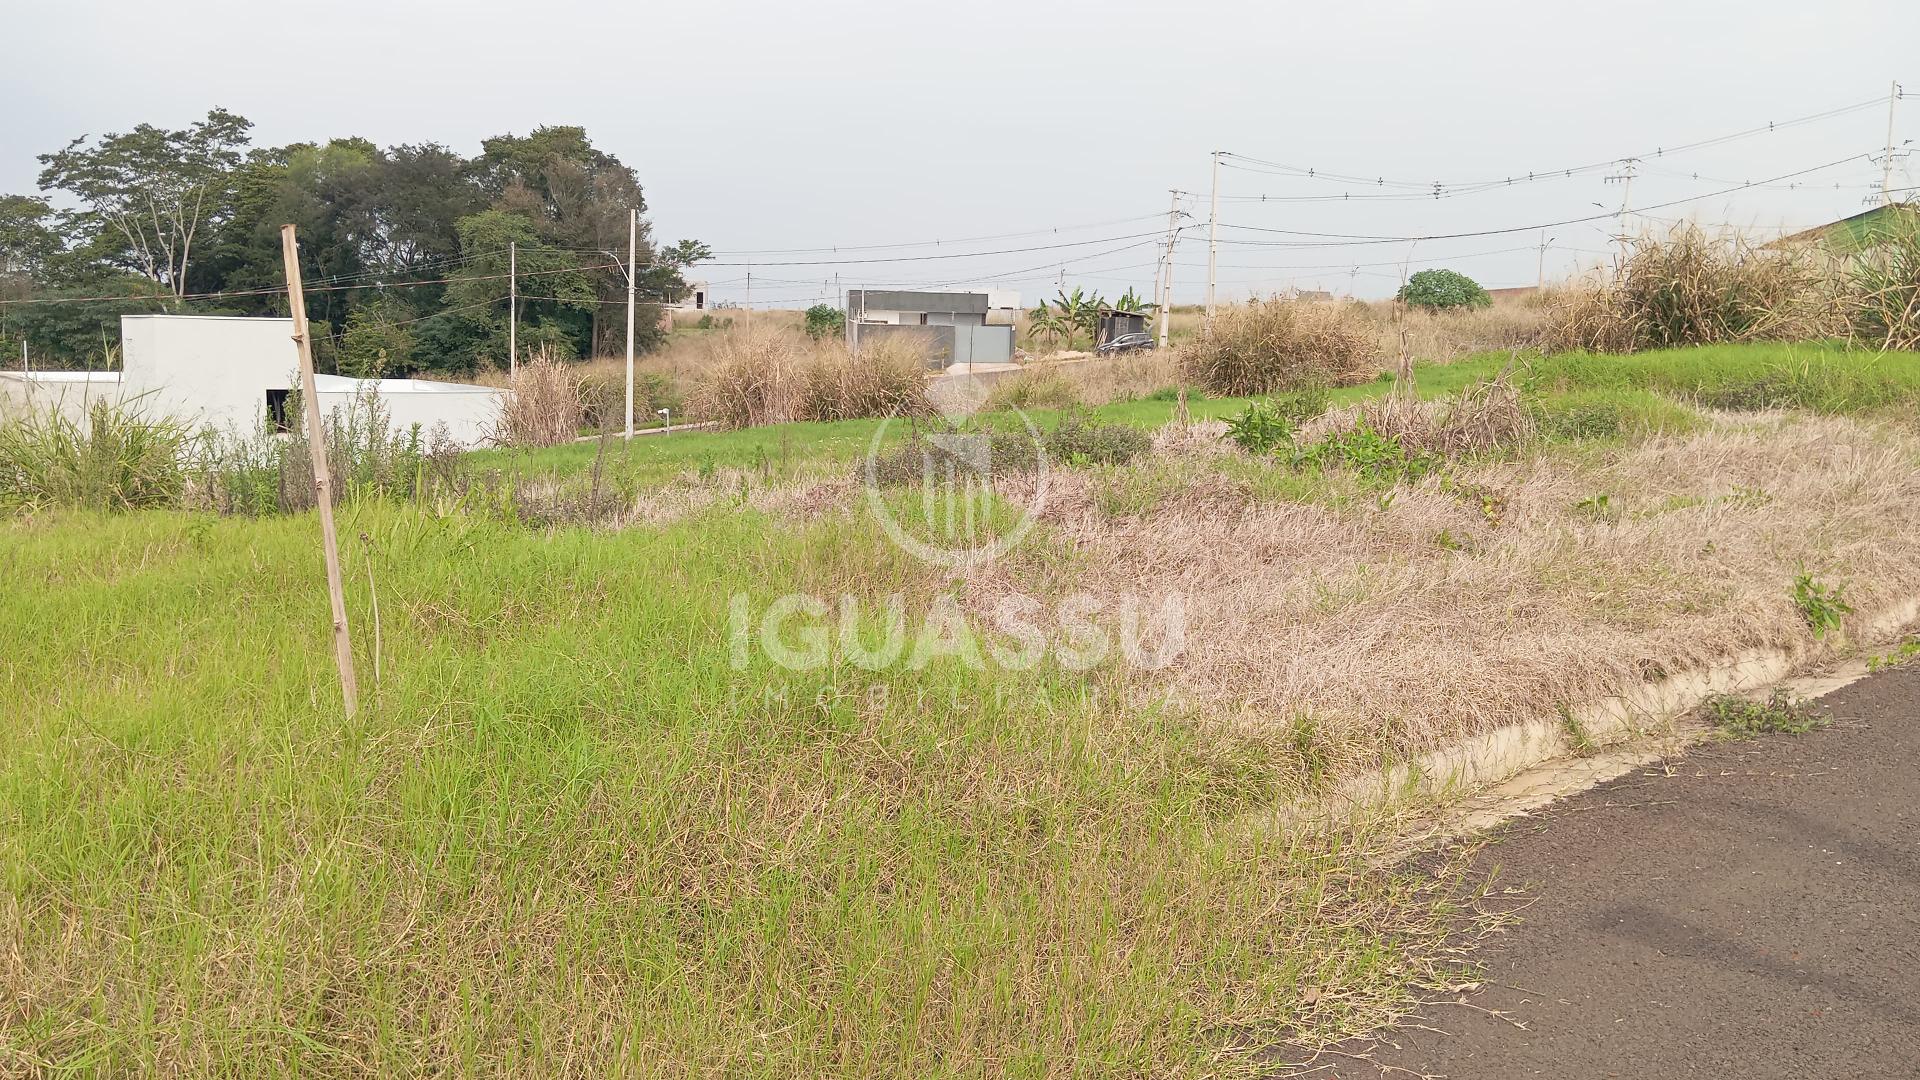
{"x":209,"y":371}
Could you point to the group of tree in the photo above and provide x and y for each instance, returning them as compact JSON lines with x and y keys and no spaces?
{"x":404,"y":251}
{"x":1073,"y":313}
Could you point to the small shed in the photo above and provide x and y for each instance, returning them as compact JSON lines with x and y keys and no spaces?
{"x":1114,"y":323}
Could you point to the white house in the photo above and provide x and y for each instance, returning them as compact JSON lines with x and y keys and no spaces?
{"x":234,"y":374}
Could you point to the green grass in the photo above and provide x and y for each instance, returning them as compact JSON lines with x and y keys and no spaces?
{"x":564,"y":833}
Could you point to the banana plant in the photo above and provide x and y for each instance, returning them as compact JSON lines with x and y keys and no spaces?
{"x":1133,"y":302}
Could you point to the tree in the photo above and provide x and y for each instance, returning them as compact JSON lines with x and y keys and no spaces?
{"x":825,"y":320}
{"x":555,"y":293}
{"x":1078,"y":311}
{"x":29,"y":236}
{"x":1440,"y":290}
{"x":1133,"y":302}
{"x":1042,"y":323}
{"x":152,"y":190}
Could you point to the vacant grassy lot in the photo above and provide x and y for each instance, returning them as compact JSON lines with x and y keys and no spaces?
{"x":570,"y":832}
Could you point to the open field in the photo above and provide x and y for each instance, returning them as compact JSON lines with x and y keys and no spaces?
{"x":580,"y":826}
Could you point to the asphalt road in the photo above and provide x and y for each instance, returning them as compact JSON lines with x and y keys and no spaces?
{"x":1750,"y":912}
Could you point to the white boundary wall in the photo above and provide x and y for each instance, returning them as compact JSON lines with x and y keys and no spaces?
{"x":215,"y":371}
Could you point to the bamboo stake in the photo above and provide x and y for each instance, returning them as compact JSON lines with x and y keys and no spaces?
{"x":322,"y":480}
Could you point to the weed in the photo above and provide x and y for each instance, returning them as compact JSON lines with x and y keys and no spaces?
{"x":1822,"y":606}
{"x":1599,"y":505}
{"x":1898,"y":656}
{"x":1739,"y":717}
{"x":1272,"y":345}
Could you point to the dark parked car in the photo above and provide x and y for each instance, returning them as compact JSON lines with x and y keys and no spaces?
{"x":1126,"y":343}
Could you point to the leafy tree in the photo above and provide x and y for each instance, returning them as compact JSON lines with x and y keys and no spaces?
{"x":1042,"y":323}
{"x":1078,"y":311}
{"x":152,"y":190}
{"x":824,"y":321}
{"x":29,"y":235}
{"x":376,"y":342}
{"x":554,"y":291}
{"x":1133,"y":302}
{"x":1439,"y":290}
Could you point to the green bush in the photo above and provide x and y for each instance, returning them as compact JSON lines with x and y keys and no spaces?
{"x":825,"y":321}
{"x":1442,"y":290}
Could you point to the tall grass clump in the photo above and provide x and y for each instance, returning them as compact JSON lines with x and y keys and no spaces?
{"x":752,"y":380}
{"x":887,"y":377}
{"x":778,"y":379}
{"x":1271,"y":345}
{"x":1686,"y":288}
{"x":1883,"y":293}
{"x":118,"y":458}
{"x":543,"y":405}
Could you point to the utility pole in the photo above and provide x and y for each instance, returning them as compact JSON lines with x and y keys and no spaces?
{"x":322,"y":476}
{"x":633,"y":271}
{"x":1886,"y":163}
{"x":513,"y":308}
{"x":747,"y":304}
{"x":1213,"y":241}
{"x":1625,"y":179}
{"x":1164,"y":294}
{"x":1541,"y":273}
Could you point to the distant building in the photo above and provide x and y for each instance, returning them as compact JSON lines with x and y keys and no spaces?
{"x":692,"y":297}
{"x":958,"y":327}
{"x":1861,"y":232}
{"x":1115,"y":324}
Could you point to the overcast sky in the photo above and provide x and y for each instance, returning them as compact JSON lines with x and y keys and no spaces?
{"x":766,"y":126}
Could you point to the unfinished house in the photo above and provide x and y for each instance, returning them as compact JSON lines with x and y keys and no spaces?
{"x":960,"y":328}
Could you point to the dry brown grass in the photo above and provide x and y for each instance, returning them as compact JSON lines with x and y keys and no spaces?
{"x":757,"y":378}
{"x":1276,"y":344}
{"x":1444,"y":336}
{"x":1375,"y":629}
{"x":1688,"y":288}
{"x":543,"y":405}
{"x":1486,"y":416}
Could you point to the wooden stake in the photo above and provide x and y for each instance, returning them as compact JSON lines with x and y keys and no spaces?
{"x":322,"y":479}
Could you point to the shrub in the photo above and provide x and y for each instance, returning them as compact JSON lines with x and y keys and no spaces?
{"x":1263,"y":426}
{"x":1883,"y":301}
{"x":1689,"y":289}
{"x":1034,"y":390}
{"x":887,"y":377}
{"x":1272,"y":345}
{"x":776,"y":379}
{"x":1080,"y":441}
{"x":825,"y":321}
{"x":603,"y":398}
{"x":117,"y":459}
{"x":1367,"y":451}
{"x":1260,"y":428}
{"x":543,"y":405}
{"x":752,"y":381}
{"x":1443,"y":290}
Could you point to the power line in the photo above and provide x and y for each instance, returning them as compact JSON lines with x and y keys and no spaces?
{"x":933,"y":258}
{"x":835,"y":248}
{"x":1360,"y":239}
{"x":1437,"y":188}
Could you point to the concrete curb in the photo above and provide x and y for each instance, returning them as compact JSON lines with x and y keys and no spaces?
{"x":1516,"y":769}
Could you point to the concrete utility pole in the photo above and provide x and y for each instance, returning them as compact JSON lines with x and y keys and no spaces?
{"x":1542,"y":272}
{"x":1164,"y":293}
{"x":322,"y":476}
{"x":633,"y":271}
{"x":513,"y":308}
{"x":1625,"y":179}
{"x":1213,"y":240}
{"x":1886,"y":163}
